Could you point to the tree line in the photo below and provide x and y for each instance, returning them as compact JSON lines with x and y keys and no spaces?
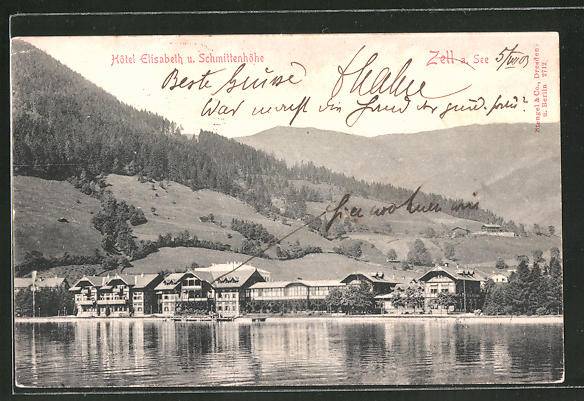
{"x":252,"y":231}
{"x":531,"y":290}
{"x":48,"y":302}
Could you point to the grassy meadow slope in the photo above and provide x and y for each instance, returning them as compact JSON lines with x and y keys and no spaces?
{"x":311,"y":267}
{"x":38,"y":204}
{"x":178,"y":208}
{"x":469,"y":250}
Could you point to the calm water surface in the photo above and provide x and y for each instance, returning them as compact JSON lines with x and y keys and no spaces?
{"x":105,"y":353}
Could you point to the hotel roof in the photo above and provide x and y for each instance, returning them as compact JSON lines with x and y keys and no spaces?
{"x":171,"y":281}
{"x":96,"y":281}
{"x":134,"y":280}
{"x":227,"y":275}
{"x":308,"y":283}
{"x":375,"y":277}
{"x":232,"y":279}
{"x":454,"y":273}
{"x":24,"y":282}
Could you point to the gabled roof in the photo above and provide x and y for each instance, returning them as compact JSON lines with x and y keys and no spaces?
{"x":503,"y":273}
{"x":454,"y":273}
{"x":373,"y":277}
{"x":204,"y":275}
{"x":96,"y":281}
{"x":232,"y":280}
{"x":50,"y":282}
{"x":136,"y":280}
{"x":401,"y":287}
{"x":171,"y":281}
{"x":225,"y":276}
{"x":132,"y":280}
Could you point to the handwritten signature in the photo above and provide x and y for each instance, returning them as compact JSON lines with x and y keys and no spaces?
{"x":362,"y":77}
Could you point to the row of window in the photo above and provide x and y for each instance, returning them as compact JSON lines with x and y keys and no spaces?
{"x":233,"y":295}
{"x":192,"y":294}
{"x":435,"y":290}
{"x":227,"y":307}
{"x":110,"y":297}
{"x":115,"y":309}
{"x":192,"y":282}
{"x":290,"y":292}
{"x":321,"y":290}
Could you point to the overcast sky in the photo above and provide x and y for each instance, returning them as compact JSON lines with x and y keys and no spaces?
{"x":314,"y":61}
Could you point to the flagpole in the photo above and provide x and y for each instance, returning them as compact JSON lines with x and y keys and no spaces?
{"x":33,"y":289}
{"x":33,"y":303}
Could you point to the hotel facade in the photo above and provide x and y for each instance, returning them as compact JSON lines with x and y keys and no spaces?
{"x":177,"y":288}
{"x":118,"y":295}
{"x":230,"y":290}
{"x":293,"y":290}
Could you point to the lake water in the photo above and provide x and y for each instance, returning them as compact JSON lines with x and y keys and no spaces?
{"x":287,"y":352}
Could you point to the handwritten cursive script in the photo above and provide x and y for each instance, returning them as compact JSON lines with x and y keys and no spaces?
{"x":341,"y":210}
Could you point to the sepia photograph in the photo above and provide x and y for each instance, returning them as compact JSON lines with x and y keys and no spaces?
{"x":297,"y":210}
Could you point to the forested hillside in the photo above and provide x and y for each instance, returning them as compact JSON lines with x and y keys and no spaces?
{"x":64,"y":126}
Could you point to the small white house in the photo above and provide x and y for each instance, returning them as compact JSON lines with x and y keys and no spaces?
{"x":499,"y":278}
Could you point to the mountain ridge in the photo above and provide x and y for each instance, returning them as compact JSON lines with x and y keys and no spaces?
{"x":455,"y":162}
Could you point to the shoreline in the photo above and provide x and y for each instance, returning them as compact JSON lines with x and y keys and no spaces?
{"x":469,"y":318}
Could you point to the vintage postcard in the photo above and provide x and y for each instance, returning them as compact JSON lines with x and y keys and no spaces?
{"x":286,"y":210}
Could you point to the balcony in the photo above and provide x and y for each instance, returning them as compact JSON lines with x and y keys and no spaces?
{"x":118,"y":301}
{"x":192,"y":288}
{"x":84,"y":302}
{"x":193,"y":299}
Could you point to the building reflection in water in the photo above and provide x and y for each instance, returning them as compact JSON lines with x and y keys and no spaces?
{"x":102,"y":353}
{"x":309,"y":349}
